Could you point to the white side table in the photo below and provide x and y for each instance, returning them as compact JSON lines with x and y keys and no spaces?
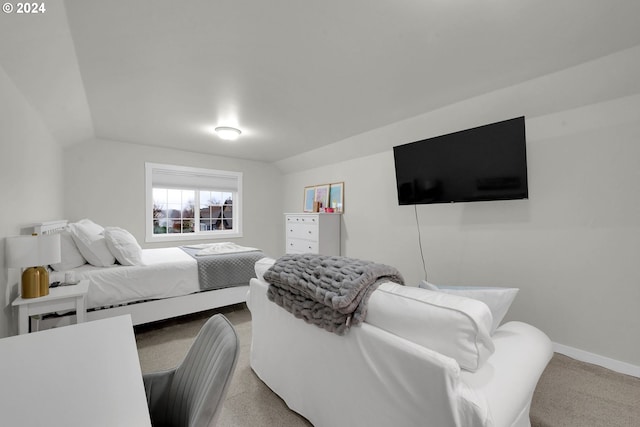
{"x":62,"y":298}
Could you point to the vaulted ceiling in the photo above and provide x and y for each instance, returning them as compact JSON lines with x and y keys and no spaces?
{"x":293,"y":75}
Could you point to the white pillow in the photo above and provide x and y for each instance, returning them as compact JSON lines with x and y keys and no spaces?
{"x":426,"y":285}
{"x":90,"y":241}
{"x":263,"y":265}
{"x":123,"y":246}
{"x":69,"y":254}
{"x":498,"y":299}
{"x":454,"y":326}
{"x":91,"y":226}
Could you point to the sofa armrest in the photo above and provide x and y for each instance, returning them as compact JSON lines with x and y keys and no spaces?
{"x":509,"y":377}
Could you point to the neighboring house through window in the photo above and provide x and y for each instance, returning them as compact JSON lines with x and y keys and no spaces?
{"x":185,"y":203}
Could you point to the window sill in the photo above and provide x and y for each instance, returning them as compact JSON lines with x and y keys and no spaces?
{"x":193,"y":236}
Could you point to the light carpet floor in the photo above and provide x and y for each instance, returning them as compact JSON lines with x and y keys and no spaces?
{"x":569,"y":394}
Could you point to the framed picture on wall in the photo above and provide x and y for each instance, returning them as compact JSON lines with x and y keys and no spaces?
{"x":322,"y":195}
{"x":336,"y":196}
{"x":309,"y":198}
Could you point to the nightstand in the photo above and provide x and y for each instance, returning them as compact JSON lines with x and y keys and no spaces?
{"x":62,"y":298}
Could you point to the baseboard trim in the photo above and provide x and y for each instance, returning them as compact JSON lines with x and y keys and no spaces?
{"x":596,"y":359}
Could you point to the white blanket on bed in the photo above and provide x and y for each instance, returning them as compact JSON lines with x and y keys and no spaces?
{"x":220,"y":248}
{"x":167,"y":272}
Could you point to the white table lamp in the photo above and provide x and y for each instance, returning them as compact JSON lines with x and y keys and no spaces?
{"x":32,"y":253}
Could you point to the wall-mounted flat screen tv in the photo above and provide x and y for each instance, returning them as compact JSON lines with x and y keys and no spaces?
{"x":484,"y":163}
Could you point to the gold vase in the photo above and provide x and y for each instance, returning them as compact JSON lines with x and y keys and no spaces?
{"x":43,"y":281}
{"x":31,"y":282}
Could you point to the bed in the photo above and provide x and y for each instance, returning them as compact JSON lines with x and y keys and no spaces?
{"x":168,"y":282}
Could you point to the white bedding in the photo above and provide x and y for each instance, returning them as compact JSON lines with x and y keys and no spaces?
{"x":168,"y":272}
{"x":220,"y":248}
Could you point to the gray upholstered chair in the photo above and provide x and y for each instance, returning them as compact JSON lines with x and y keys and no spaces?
{"x":192,"y":394}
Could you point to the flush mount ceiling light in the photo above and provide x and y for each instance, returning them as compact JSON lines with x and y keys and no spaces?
{"x":228,"y":133}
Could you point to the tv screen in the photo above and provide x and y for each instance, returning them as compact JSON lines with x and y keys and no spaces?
{"x":484,"y":163}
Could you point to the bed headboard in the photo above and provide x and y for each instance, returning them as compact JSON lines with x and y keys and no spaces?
{"x":50,"y":227}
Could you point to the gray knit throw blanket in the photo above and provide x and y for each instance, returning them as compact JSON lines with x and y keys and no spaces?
{"x":330,"y":292}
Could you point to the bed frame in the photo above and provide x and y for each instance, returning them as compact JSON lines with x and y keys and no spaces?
{"x":149,"y":311}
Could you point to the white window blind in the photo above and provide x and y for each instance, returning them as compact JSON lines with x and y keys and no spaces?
{"x":198,"y":179}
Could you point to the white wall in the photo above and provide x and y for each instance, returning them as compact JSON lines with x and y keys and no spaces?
{"x":105,"y":181}
{"x":572,"y":248}
{"x":30,"y":182}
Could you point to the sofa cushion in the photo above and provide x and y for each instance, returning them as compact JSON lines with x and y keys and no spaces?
{"x":452,"y":325}
{"x":498,"y":299}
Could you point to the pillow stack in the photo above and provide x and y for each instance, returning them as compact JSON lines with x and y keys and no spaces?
{"x":87,"y":242}
{"x":89,"y":237}
{"x":70,"y":255}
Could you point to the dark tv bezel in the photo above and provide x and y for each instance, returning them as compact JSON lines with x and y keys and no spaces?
{"x":520,"y":195}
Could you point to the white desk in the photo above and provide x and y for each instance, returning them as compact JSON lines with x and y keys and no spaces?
{"x":80,"y":375}
{"x":59,"y":299}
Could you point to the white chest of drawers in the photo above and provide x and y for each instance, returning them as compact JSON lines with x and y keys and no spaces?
{"x":316,"y":233}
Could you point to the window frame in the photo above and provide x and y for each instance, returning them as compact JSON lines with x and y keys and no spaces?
{"x":234,"y":232}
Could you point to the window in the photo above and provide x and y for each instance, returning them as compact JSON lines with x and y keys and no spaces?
{"x":184,"y":203}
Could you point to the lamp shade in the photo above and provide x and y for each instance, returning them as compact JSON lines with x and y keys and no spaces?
{"x":49,"y":249}
{"x":22,"y":251}
{"x":30,"y":251}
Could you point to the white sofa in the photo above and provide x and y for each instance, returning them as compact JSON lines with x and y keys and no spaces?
{"x":402,"y":366}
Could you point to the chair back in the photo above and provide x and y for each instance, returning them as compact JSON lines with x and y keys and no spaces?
{"x":200,"y":382}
